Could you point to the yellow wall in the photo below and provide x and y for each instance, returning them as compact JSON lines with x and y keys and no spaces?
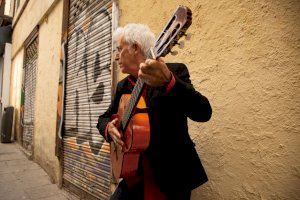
{"x":15,"y":88}
{"x":16,"y":79}
{"x":7,"y":9}
{"x":46,"y":92}
{"x":18,"y":10}
{"x":245,"y":57}
{"x":33,"y":14}
{"x":48,"y":15}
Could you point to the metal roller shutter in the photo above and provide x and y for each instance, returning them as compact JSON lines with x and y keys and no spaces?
{"x":86,"y":162}
{"x":30,"y":65}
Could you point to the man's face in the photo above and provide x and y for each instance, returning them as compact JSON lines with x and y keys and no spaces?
{"x":126,"y":58}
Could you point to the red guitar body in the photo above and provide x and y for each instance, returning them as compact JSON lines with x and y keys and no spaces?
{"x":136,"y":138}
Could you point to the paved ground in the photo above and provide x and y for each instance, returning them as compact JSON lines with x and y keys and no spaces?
{"x":22,"y":179}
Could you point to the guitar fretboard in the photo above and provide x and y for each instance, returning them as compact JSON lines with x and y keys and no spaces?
{"x":135,"y":95}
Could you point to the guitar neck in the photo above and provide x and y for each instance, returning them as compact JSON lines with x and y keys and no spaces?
{"x":135,"y":96}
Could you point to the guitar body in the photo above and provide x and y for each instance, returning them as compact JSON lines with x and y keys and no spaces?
{"x":136,"y":138}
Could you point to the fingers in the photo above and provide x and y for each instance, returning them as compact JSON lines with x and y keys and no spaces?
{"x":161,"y":60}
{"x":155,"y":73}
{"x":114,"y":132}
{"x":115,"y":121}
{"x":118,"y":140}
{"x":145,"y":76}
{"x":152,"y":65}
{"x":154,"y":61}
{"x":150,"y":61}
{"x":147,"y":67}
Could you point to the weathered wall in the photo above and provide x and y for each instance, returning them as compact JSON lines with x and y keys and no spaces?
{"x":33,"y":14}
{"x":6,"y":75}
{"x":48,"y":15}
{"x":7,"y":10}
{"x":18,"y":9}
{"x":46,"y":92}
{"x":15,"y":89}
{"x":245,"y":57}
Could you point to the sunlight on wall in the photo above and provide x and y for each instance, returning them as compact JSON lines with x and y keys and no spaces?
{"x":16,"y":78}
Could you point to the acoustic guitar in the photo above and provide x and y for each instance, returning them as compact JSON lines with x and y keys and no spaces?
{"x":132,"y":111}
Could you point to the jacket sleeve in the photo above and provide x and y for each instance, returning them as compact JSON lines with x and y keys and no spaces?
{"x":106,"y":116}
{"x":191,"y":102}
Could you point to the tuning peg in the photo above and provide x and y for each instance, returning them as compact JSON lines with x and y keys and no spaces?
{"x":188,"y":36}
{"x":174,"y":53}
{"x":180,"y":44}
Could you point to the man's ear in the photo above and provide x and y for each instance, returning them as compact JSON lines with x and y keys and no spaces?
{"x":136,"y":48}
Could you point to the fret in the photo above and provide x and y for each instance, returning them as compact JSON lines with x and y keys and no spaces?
{"x":135,"y":95}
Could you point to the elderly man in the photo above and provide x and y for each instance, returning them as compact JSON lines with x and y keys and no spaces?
{"x":170,"y":167}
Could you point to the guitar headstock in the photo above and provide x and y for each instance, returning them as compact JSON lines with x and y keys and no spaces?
{"x":174,"y":30}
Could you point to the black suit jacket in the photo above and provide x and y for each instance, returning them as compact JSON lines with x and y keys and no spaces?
{"x":172,"y":155}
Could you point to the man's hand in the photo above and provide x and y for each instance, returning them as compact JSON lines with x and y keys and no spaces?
{"x":114,"y":132}
{"x":155,"y":73}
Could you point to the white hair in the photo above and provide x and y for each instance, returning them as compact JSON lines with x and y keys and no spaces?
{"x":136,"y":33}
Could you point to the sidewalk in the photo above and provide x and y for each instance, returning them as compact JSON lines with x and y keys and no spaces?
{"x":21,"y":178}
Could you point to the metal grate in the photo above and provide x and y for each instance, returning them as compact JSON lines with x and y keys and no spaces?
{"x":86,"y":161}
{"x":31,"y":54}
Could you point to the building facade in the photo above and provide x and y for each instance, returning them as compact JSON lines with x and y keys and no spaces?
{"x":5,"y":57}
{"x":244,"y":56}
{"x":62,"y":81}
